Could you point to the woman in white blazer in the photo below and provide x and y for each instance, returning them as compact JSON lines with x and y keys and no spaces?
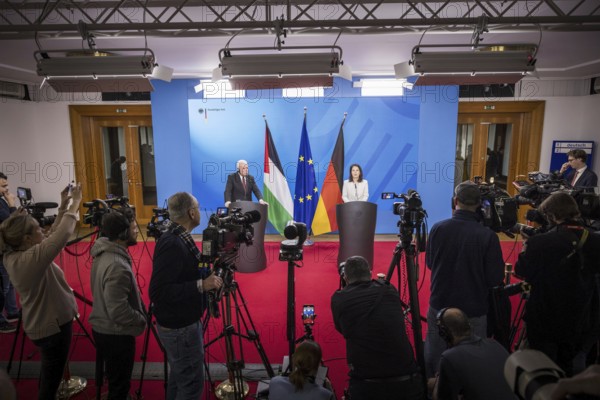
{"x":355,"y":188}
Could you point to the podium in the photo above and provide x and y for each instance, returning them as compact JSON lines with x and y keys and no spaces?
{"x":356,"y":224}
{"x":253,"y":258}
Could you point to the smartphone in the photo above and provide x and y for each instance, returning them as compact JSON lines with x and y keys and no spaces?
{"x":308,"y":314}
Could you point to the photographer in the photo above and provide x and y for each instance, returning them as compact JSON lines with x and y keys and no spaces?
{"x":560,"y":266}
{"x":8,"y":300}
{"x":465,"y":260}
{"x":48,"y":303}
{"x":117,"y":315}
{"x":177,"y":290}
{"x":369,"y":315}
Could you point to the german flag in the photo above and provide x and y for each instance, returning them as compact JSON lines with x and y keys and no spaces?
{"x":331,"y":193}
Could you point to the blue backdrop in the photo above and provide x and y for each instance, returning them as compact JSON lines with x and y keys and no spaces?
{"x":401,"y":142}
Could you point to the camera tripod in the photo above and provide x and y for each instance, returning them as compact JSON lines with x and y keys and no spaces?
{"x":151,"y":328}
{"x":408,"y":249}
{"x":70,"y":385}
{"x":235,"y":387}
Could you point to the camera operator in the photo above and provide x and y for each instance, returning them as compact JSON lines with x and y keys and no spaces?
{"x":578,"y":176}
{"x":48,"y":302}
{"x":472,"y":368}
{"x":560,"y":266}
{"x":8,"y":299}
{"x":465,"y":259}
{"x":177,"y":290}
{"x":240,"y":185}
{"x":369,"y":315}
{"x":117,"y":315}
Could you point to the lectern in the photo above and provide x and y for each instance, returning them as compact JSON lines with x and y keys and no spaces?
{"x":253,"y":258}
{"x":356,"y":224}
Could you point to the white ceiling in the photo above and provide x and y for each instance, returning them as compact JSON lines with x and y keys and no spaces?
{"x":566,"y":53}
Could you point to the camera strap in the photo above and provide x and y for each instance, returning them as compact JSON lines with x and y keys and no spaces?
{"x":577,"y":243}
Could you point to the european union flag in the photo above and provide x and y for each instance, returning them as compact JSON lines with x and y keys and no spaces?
{"x":306,"y":195}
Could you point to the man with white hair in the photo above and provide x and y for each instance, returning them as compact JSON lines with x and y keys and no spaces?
{"x":241,"y":185}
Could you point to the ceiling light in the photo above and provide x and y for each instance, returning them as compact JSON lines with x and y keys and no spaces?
{"x":106,"y":71}
{"x":279,"y":68}
{"x":468,"y":67}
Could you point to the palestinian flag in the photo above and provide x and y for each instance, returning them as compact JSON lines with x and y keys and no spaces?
{"x":276,"y":191}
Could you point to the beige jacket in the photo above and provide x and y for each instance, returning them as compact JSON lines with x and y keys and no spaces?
{"x":47,"y":301}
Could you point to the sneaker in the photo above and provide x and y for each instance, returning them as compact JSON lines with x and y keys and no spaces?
{"x":12,"y":317}
{"x":7,"y":328}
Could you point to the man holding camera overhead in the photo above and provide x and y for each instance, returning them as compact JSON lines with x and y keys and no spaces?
{"x":177,"y":291}
{"x":465,"y":260}
{"x":369,"y":315}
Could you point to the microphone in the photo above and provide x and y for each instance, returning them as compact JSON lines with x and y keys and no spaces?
{"x":508,"y":271}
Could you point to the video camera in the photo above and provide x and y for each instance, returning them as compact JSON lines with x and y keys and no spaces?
{"x":498,"y":210}
{"x":540,"y":186}
{"x":97,"y":208}
{"x":36,"y":210}
{"x":159,"y":223}
{"x":291,"y":249}
{"x":412,"y":215}
{"x":226,"y":230}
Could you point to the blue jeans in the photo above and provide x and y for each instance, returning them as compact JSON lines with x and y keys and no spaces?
{"x":435,"y":345}
{"x":185,"y":352}
{"x":10,"y":299}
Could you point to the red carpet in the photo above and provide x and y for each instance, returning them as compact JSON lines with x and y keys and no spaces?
{"x":265,"y":293}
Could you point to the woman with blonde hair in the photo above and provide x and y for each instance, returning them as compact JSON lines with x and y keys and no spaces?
{"x":47,"y":301}
{"x":300,"y":385}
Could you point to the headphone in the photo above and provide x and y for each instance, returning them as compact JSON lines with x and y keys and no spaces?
{"x":123,"y":224}
{"x":443,"y":330}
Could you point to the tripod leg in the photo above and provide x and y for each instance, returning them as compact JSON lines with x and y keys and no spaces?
{"x":254,"y":336}
{"x":14,"y":345}
{"x":143,"y":356}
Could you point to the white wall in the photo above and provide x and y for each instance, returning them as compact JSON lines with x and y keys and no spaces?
{"x":35,"y":147}
{"x":571,"y":118}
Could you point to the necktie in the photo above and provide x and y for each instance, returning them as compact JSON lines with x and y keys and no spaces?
{"x":574,"y":178}
{"x":244,"y":183}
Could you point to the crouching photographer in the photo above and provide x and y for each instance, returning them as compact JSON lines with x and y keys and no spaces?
{"x":47,"y":301}
{"x":369,"y":315}
{"x":561,"y":265}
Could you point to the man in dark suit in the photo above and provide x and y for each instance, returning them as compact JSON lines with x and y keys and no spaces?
{"x":575,"y":171}
{"x":240,"y":185}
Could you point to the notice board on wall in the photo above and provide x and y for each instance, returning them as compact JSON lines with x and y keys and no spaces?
{"x":560,"y":148}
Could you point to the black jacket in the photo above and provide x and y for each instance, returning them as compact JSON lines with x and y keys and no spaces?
{"x":234,"y":190}
{"x":173,"y":285}
{"x":370,"y":316}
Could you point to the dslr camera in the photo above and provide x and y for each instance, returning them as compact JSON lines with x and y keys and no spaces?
{"x":36,"y":210}
{"x":226,"y":230}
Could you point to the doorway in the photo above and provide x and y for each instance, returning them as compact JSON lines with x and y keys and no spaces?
{"x":499,"y":142}
{"x":114,"y":154}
